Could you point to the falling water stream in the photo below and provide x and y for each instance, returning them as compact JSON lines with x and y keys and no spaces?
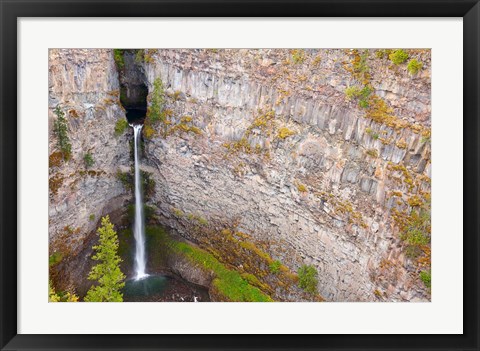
{"x":139,"y":227}
{"x":152,"y":287}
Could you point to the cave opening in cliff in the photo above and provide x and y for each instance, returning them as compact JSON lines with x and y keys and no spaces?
{"x":133,"y":90}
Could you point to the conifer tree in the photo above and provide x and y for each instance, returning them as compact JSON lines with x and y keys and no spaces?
{"x":60,"y":128}
{"x":107,"y":272}
{"x":54,"y":297}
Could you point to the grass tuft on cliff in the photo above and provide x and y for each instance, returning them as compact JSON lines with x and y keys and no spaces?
{"x":121,"y":126}
{"x":228,"y":283}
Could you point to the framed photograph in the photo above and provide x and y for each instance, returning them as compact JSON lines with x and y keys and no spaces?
{"x":218,"y":175}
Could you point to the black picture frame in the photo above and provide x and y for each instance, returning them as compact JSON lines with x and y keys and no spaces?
{"x":12,"y":10}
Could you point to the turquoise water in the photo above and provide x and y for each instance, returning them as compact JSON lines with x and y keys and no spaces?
{"x":151,"y":285}
{"x":162,"y":288}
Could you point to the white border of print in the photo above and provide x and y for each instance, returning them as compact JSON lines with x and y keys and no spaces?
{"x":443,"y":315}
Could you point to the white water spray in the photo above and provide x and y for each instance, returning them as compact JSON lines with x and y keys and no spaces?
{"x":138,"y":227}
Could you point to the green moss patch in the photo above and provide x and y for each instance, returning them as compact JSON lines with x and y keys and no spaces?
{"x":228,"y":283}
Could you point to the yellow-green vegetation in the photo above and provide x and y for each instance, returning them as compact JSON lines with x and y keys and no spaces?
{"x":284,"y":133}
{"x":415,"y":226}
{"x":343,"y":207}
{"x":241,"y":145}
{"x":407,"y":179}
{"x":402,"y":144}
{"x":372,"y":153}
{"x":202,"y":221}
{"x":185,"y":126}
{"x":414,"y":66}
{"x":148,"y":131}
{"x":121,"y":126}
{"x":298,"y":55}
{"x":91,"y":218}
{"x":275,"y":266}
{"x":88,"y":160}
{"x":155,"y":110}
{"x":228,"y":283}
{"x":264,"y":123}
{"x":415,"y":201}
{"x":308,"y":278}
{"x":373,"y":134}
{"x":302,"y":188}
{"x":157,"y":101}
{"x":158,"y":114}
{"x":118,"y":57}
{"x":197,"y":219}
{"x":317,"y":60}
{"x":396,"y":193}
{"x":126,"y":179}
{"x":358,"y":66}
{"x":379,"y":111}
{"x":415,"y":231}
{"x":354,"y":92}
{"x":139,"y":54}
{"x":55,"y":258}
{"x":254,"y":281}
{"x":282,"y":94}
{"x":240,"y":168}
{"x":178,"y":212}
{"x":60,"y":128}
{"x":60,"y":296}
{"x":236,"y":248}
{"x":376,"y":108}
{"x":107,"y":274}
{"x":176,"y":95}
{"x":383,"y":53}
{"x":398,"y":56}
{"x":144,"y":55}
{"x":426,"y":278}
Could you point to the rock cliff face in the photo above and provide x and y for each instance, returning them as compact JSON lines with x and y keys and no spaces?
{"x":265,"y":143}
{"x":84,"y":84}
{"x":281,"y":152}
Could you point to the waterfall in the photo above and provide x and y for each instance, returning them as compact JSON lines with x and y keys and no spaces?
{"x":138,"y":227}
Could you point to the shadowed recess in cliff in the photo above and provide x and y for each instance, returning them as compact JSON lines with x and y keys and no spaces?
{"x":133,"y":90}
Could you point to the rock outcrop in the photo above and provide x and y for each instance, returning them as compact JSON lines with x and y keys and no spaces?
{"x":281,"y":152}
{"x":84,"y":85}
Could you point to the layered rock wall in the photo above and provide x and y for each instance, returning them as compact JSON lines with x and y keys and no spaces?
{"x":84,"y":85}
{"x":284,"y":155}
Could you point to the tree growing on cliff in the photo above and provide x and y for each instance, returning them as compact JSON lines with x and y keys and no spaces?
{"x":107,"y":272}
{"x":157,"y":102}
{"x":56,"y":297}
{"x":308,"y":278}
{"x":60,"y":128}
